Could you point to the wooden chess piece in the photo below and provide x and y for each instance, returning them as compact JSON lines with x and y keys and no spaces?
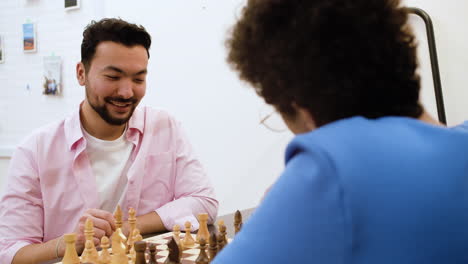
{"x":135,"y":237}
{"x":87,"y":255}
{"x":188,"y":240}
{"x":220,"y":239}
{"x":203,"y":229}
{"x":118,"y":217}
{"x":152,"y":257}
{"x":89,"y":236}
{"x":105,"y":257}
{"x":174,"y":252}
{"x":213,"y":248}
{"x":140,"y":248}
{"x":118,"y":248}
{"x":132,"y":226}
{"x":202,"y":258}
{"x":223,"y":232}
{"x":237,"y":221}
{"x":70,"y":256}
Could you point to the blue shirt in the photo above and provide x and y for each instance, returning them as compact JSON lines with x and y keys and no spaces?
{"x":390,"y":190}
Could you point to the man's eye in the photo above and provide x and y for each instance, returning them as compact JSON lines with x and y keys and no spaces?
{"x":112,"y":77}
{"x":139,"y":80}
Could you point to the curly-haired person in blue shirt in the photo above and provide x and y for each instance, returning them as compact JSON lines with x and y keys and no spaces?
{"x":370,"y":177}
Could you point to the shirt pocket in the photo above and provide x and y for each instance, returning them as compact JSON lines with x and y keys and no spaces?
{"x":158,"y":184}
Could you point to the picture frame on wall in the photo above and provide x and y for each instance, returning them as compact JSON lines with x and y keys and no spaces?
{"x":72,"y":4}
{"x":52,"y":75}
{"x":2,"y":50}
{"x":29,"y":37}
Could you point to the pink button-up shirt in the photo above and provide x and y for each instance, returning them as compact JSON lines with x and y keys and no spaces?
{"x":50,"y":181}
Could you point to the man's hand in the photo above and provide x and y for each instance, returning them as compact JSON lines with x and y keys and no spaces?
{"x":104,"y":225}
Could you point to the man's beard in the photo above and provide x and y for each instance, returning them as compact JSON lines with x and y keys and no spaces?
{"x":104,"y":112}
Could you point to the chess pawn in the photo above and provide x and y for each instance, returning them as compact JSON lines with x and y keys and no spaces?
{"x":220,"y":242}
{"x":70,"y":257}
{"x":222,"y":231}
{"x":203,"y":230}
{"x":87,"y":256}
{"x":188,"y":240}
{"x":135,"y":237}
{"x":140,"y":248}
{"x":237,"y":221}
{"x":105,"y":257}
{"x":89,"y":236}
{"x":202,"y":258}
{"x":152,"y":258}
{"x":213,"y":248}
{"x":118,"y":217}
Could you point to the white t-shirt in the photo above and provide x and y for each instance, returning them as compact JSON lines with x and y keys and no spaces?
{"x":109,"y":162}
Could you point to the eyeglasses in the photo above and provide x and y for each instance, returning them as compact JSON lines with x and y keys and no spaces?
{"x":274,"y":122}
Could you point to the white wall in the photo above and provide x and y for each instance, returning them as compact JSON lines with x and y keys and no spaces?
{"x":188,"y":77}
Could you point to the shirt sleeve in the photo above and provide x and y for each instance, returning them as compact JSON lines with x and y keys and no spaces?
{"x":193,"y":192}
{"x":21,"y":207}
{"x":301,"y":219}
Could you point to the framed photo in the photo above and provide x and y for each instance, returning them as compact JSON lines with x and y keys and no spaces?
{"x":72,"y":4}
{"x":29,"y":37}
{"x":2,"y":51}
{"x":52,"y":75}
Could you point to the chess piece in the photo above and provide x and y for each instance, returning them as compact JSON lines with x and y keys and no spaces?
{"x":152,"y":257}
{"x":89,"y":236}
{"x":176,"y":234}
{"x":188,"y":240}
{"x":132,"y":225}
{"x":70,"y":257}
{"x":203,"y":229}
{"x":202,"y":258}
{"x":118,"y":217}
{"x":105,"y":257}
{"x":213,"y":248}
{"x":140,"y":248}
{"x":223,"y":232}
{"x":237,"y":221}
{"x":118,"y":242}
{"x":87,"y":255}
{"x":220,"y":242}
{"x":174,"y":252}
{"x":135,"y":237}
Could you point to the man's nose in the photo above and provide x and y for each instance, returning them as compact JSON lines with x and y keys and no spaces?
{"x":125,"y":89}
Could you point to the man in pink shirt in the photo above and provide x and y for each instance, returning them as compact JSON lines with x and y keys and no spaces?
{"x":108,"y":152}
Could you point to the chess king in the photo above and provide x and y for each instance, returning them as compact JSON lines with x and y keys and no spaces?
{"x":109,"y":151}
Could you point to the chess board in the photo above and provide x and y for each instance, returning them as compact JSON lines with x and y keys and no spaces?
{"x":189,"y":255}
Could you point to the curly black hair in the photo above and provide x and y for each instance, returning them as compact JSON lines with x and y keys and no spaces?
{"x":335,"y":58}
{"x":115,"y":30}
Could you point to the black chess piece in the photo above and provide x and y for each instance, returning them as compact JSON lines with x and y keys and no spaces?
{"x":213,"y":248}
{"x":174,"y":252}
{"x":152,"y":258}
{"x":202,"y":258}
{"x":140,"y":248}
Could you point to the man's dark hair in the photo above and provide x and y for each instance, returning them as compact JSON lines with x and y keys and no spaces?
{"x":115,"y":30}
{"x":336,"y":58}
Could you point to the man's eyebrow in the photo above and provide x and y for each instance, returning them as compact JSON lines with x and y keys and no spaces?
{"x":145,"y":71}
{"x":113,"y":68}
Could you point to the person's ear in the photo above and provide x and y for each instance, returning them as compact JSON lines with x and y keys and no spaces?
{"x":307,"y":119}
{"x":81,"y":73}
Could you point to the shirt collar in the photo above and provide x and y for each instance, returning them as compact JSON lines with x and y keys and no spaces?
{"x":74,"y":134}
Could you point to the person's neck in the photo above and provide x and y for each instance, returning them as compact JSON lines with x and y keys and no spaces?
{"x":427,"y":118}
{"x":96,"y":126}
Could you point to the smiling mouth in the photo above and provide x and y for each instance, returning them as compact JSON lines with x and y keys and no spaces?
{"x":120,"y":104}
